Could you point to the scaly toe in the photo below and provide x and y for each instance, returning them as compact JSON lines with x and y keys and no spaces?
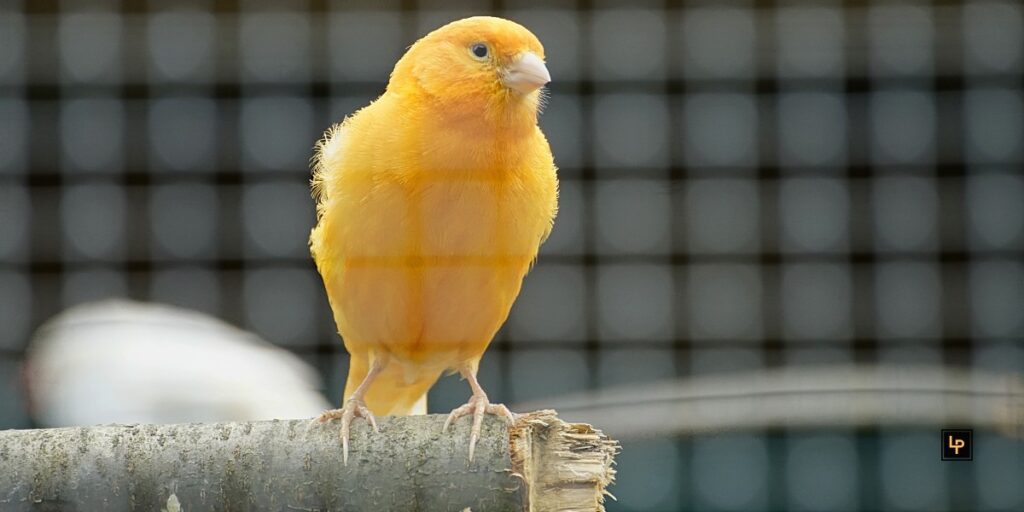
{"x":329,"y":415}
{"x":350,"y":410}
{"x":478,"y":407}
{"x":501,"y":410}
{"x":364,"y":411}
{"x":456,"y":413}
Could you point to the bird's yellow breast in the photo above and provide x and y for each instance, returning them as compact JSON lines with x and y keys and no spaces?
{"x":423,"y":240}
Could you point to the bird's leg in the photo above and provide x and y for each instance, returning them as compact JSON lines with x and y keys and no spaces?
{"x":478,"y":405}
{"x":354,"y":406}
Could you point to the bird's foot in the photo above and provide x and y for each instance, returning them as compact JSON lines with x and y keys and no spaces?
{"x":478,"y":405}
{"x":353,"y":407}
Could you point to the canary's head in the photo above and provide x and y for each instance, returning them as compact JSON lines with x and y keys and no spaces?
{"x":482,"y":65}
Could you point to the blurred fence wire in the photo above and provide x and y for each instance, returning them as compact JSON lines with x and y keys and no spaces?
{"x":746,"y":186}
{"x":805,"y":398}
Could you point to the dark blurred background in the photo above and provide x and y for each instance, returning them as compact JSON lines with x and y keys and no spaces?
{"x":744,"y":185}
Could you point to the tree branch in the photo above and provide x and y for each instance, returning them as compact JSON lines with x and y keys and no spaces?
{"x":539,"y":463}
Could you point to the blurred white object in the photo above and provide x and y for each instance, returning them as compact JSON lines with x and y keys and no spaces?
{"x":118,"y":361}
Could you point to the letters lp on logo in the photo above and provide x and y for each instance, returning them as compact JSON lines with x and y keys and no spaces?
{"x":958,"y":444}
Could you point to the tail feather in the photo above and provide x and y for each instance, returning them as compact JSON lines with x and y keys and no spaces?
{"x":394,"y":392}
{"x":420,"y":407}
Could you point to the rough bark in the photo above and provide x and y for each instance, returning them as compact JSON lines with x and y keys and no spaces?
{"x":539,"y":463}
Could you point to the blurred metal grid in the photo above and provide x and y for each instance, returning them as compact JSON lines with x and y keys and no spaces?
{"x":744,"y":185}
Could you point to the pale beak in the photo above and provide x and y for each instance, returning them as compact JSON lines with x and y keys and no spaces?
{"x":527,"y":74}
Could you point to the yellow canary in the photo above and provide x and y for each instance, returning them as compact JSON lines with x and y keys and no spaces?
{"x":431,"y":204}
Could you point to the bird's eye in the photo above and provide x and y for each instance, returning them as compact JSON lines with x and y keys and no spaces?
{"x":479,"y":50}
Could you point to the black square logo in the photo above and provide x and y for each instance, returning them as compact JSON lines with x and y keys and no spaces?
{"x":957,"y":445}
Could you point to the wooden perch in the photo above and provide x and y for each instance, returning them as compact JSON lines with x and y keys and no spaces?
{"x":540,"y":463}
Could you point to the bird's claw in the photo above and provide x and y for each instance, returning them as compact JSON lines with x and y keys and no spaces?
{"x":478,"y":405}
{"x":353,"y":407}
